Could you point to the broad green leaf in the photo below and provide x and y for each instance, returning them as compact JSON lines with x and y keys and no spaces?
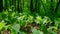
{"x":13,"y":14}
{"x":22,"y":33}
{"x":54,"y":32}
{"x":1,"y":25}
{"x":15,"y":28}
{"x":44,"y":29}
{"x":35,"y":31}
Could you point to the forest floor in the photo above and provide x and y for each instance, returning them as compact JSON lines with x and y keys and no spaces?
{"x":27,"y":29}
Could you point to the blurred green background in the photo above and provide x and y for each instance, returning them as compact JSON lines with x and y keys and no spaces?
{"x":29,"y":16}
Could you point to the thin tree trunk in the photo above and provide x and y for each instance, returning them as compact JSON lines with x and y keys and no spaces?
{"x":36,"y":5}
{"x":57,"y":6}
{"x":51,"y":7}
{"x":44,"y":6}
{"x":18,"y":6}
{"x":31,"y":5}
{"x":1,"y":5}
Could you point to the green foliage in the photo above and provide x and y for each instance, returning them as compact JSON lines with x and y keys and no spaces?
{"x":2,"y":25}
{"x":15,"y":21}
{"x":35,"y":31}
{"x":30,"y":16}
{"x":15,"y":29}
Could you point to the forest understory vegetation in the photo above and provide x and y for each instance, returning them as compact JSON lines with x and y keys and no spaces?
{"x":29,"y":16}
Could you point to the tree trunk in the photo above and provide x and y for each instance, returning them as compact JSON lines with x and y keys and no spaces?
{"x":1,"y":5}
{"x":57,"y":6}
